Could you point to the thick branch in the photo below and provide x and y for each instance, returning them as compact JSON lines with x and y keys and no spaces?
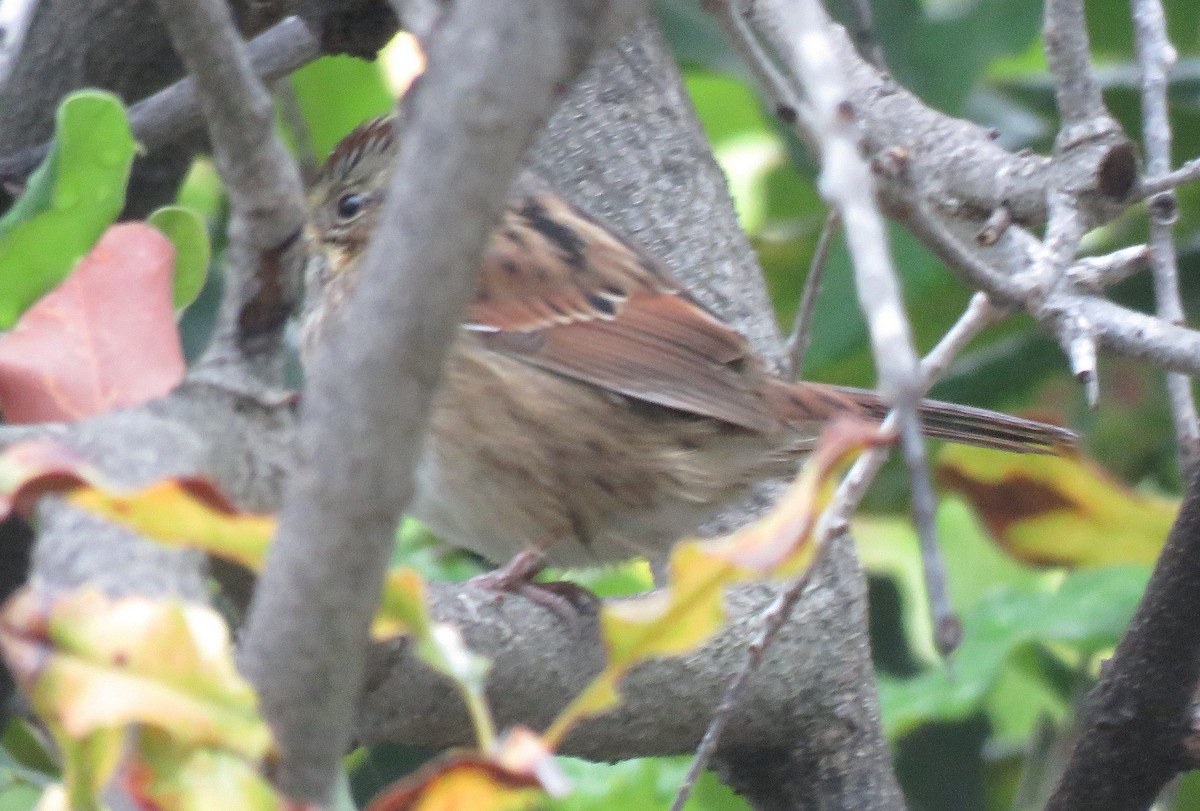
{"x":1132,"y":740}
{"x":370,"y":391}
{"x":71,"y":45}
{"x":120,"y":45}
{"x":956,"y":166}
{"x":804,"y":710}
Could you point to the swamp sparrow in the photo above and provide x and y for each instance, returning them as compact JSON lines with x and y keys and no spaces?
{"x":591,"y":410}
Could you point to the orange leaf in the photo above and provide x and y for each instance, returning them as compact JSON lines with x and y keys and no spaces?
{"x":105,"y":338}
{"x":520,"y":775}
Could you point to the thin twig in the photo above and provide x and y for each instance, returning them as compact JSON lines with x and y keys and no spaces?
{"x":1052,"y":259}
{"x":1156,"y":56}
{"x":847,"y":182}
{"x":175,"y":110}
{"x":801,"y":335}
{"x":784,"y":97}
{"x":266,"y":254}
{"x":1150,"y":186}
{"x":864,"y":33}
{"x":297,"y":127}
{"x":771,"y":620}
{"x":979,"y":314}
{"x":1129,"y":333}
{"x":1094,"y":273}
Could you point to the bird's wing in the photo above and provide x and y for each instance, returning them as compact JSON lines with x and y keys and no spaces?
{"x":560,"y":290}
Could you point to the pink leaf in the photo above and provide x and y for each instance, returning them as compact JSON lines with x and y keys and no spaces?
{"x":105,"y":338}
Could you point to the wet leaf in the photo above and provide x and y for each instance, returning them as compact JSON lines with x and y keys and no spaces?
{"x":42,"y":241}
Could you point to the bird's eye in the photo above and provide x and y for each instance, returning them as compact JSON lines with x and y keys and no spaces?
{"x":350,"y":206}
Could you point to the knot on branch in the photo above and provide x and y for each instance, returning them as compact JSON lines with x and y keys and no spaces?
{"x":360,"y":29}
{"x":1096,"y":162}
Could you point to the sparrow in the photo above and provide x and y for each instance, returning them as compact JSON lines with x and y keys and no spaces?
{"x":592,"y":410}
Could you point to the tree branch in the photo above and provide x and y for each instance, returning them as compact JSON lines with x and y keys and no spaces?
{"x":174,"y":111}
{"x":1138,"y":716}
{"x":809,"y":704}
{"x":1064,"y":32}
{"x":266,"y":253}
{"x":370,"y":391}
{"x":810,"y":54}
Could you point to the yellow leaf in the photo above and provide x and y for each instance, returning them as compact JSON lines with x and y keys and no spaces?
{"x":689,"y":610}
{"x":404,"y":609}
{"x":187,"y":513}
{"x":1057,"y":510}
{"x":88,"y":764}
{"x":91,"y":664}
{"x":162,"y":774}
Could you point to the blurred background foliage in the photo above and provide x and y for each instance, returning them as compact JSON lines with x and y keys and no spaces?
{"x":989,"y":728}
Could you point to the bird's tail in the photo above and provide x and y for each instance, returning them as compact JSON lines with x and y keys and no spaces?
{"x":954,"y":423}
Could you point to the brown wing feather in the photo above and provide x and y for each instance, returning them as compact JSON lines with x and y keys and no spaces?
{"x":645,"y":354}
{"x":559,"y":290}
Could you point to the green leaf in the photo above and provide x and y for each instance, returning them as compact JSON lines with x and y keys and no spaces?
{"x":93,"y":153}
{"x":24,"y":767}
{"x":37,"y":196}
{"x":20,"y":747}
{"x":336,"y":93}
{"x":16,"y":795}
{"x":1088,"y":612}
{"x":887,"y":545}
{"x":640,"y":784}
{"x":187,"y":233}
{"x":939,"y":50}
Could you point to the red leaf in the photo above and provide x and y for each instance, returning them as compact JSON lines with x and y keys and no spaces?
{"x":105,"y":338}
{"x":34,"y":467}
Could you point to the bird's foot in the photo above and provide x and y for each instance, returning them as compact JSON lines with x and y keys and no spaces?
{"x":565,"y":599}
